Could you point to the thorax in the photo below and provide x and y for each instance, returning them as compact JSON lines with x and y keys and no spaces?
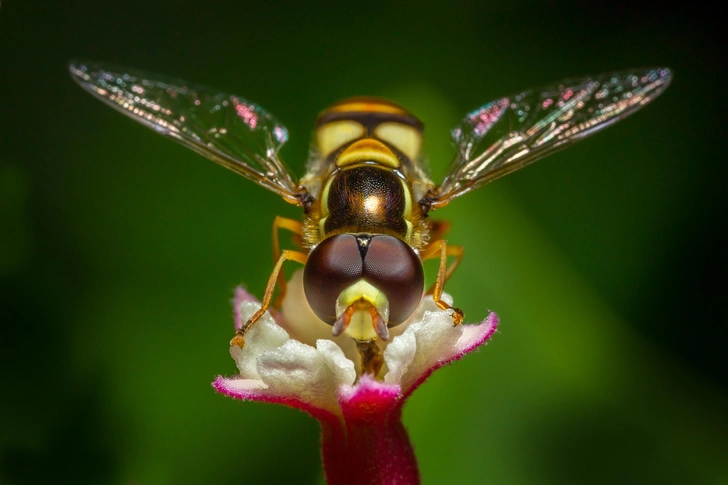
{"x":366,"y":198}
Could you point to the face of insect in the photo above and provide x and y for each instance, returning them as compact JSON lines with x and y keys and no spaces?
{"x":363,"y":283}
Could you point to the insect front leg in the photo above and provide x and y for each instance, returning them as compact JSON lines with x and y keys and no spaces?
{"x":296,"y":228}
{"x":440,"y":248}
{"x":286,"y":255}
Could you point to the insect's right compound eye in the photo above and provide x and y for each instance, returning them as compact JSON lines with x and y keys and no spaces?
{"x":380,"y":269}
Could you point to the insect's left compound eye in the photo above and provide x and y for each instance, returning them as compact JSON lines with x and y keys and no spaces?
{"x":376,"y":270}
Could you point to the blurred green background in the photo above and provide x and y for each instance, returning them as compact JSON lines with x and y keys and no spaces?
{"x":119,"y":249}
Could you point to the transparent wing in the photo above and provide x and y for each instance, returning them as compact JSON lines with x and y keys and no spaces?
{"x":512,"y":132}
{"x":225,"y":128}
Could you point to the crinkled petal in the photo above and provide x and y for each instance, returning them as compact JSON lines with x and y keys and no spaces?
{"x":402,"y":350}
{"x":313,"y":375}
{"x":275,"y":368}
{"x":434,"y":336}
{"x":431,"y":343}
{"x":398,"y":356}
{"x":266,"y":334}
{"x":341,"y":368}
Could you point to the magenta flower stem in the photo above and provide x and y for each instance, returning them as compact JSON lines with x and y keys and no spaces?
{"x":368,"y":444}
{"x":368,"y":449}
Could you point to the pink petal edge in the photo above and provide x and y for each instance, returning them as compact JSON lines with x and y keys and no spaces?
{"x":369,"y":393}
{"x":227,"y":386}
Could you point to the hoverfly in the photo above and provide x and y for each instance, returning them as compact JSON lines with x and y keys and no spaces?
{"x":365,"y":195}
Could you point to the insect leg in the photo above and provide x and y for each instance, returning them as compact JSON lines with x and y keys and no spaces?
{"x":295,"y":227}
{"x":439,"y":229}
{"x":286,"y":255}
{"x":458,"y":252}
{"x":440,"y":248}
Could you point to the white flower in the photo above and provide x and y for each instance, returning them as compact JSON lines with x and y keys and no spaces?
{"x":292,"y":359}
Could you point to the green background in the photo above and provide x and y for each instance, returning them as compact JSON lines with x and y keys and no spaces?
{"x":119,"y":249}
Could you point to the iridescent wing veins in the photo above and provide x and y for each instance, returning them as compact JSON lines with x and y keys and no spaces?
{"x":225,"y":128}
{"x":512,"y":132}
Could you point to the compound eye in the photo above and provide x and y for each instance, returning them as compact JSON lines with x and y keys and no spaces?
{"x":334,"y":265}
{"x":384,"y":262}
{"x":394,"y":268}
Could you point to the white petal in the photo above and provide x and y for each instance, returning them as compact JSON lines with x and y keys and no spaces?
{"x":398,"y":355}
{"x":312,"y":375}
{"x":242,"y":386}
{"x":342,"y":368}
{"x":264,"y":335}
{"x":421,"y":347}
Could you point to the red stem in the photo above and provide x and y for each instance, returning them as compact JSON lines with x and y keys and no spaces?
{"x":368,"y":448}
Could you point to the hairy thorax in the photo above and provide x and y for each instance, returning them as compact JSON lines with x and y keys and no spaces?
{"x":366,"y":198}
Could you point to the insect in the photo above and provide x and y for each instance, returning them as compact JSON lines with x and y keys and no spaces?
{"x":365,"y":196}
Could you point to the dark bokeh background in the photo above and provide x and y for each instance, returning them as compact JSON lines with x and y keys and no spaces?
{"x":119,"y":249}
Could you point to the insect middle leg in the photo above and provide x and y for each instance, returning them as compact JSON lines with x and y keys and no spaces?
{"x":296,"y":228}
{"x":286,"y":255}
{"x":440,"y":248}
